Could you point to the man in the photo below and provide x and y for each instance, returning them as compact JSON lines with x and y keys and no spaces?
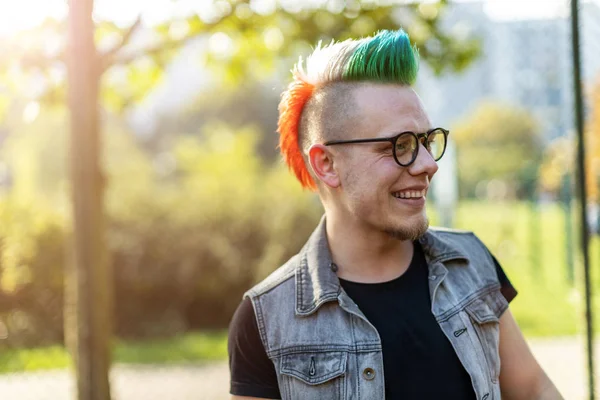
{"x":376,"y":305}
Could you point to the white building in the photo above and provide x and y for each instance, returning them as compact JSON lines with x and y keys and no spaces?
{"x":526,"y":63}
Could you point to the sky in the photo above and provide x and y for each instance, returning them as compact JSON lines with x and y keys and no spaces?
{"x":23,"y":14}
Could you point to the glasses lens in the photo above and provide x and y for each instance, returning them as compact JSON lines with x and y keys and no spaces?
{"x":436,"y":142}
{"x":406,"y":146}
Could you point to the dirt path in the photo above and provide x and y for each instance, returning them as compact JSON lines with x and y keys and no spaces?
{"x":562,"y":358}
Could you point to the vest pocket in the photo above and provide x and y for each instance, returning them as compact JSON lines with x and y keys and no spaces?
{"x":318,"y":375}
{"x":487,"y":327}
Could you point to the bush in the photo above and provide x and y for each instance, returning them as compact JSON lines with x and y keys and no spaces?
{"x":185,"y":241}
{"x":31,"y":268}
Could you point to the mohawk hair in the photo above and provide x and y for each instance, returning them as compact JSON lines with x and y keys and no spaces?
{"x":387,"y":57}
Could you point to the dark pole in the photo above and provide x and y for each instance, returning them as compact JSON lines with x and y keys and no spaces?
{"x":88,"y":279}
{"x":566,"y":206}
{"x":582,"y":191}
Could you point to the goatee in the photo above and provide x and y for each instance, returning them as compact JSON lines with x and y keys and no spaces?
{"x":411,"y":233}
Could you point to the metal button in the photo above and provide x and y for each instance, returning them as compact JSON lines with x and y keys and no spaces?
{"x":423,"y":240}
{"x":433,"y":277}
{"x":369,"y":374}
{"x":334,"y":267}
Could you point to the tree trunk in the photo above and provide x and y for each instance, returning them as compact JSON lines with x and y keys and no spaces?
{"x":88,"y":295}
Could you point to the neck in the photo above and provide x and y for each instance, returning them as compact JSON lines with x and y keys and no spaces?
{"x":366,"y":255}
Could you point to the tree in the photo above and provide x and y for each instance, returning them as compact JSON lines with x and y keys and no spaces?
{"x":88,"y":301}
{"x":558,"y":161}
{"x":593,"y":142}
{"x":559,"y":156}
{"x":245,"y":40}
{"x":501,"y":143}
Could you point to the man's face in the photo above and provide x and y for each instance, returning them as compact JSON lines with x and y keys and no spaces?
{"x":375,"y":191}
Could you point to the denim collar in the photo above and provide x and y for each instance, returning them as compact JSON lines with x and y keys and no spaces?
{"x":316,"y":279}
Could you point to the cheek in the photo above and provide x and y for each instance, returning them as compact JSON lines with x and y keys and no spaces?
{"x":358,"y":188}
{"x":367,"y":179}
{"x":386,"y":173}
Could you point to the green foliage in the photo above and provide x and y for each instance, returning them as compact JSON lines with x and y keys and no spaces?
{"x":530,"y":244}
{"x":560,"y":154}
{"x":191,"y":347}
{"x":592,"y":142}
{"x":244,"y":43}
{"x":196,"y":346}
{"x":203,"y":218}
{"x":558,"y":162}
{"x":253,"y":103}
{"x":42,"y":358}
{"x":498,"y":142}
{"x":36,"y":155}
{"x":260,"y":38}
{"x":31,"y":265}
{"x":214,"y":227}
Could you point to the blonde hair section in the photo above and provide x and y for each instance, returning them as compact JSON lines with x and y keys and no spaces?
{"x":327,"y":63}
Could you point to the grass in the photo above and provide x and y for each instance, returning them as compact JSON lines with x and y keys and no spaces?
{"x":17,"y":360}
{"x":529,"y":242}
{"x":191,"y":347}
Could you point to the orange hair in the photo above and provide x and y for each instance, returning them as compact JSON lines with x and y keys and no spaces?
{"x":292,"y":103}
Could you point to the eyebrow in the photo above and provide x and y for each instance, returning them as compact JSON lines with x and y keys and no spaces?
{"x":396,"y":133}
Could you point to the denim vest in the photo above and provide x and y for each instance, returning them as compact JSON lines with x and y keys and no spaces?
{"x":322,"y":345}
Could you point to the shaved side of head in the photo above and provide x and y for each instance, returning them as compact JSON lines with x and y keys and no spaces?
{"x":329,"y":115}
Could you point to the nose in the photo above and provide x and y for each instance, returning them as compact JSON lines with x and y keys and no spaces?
{"x":423,"y":164}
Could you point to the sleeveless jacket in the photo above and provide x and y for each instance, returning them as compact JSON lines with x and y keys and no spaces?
{"x":322,"y":345}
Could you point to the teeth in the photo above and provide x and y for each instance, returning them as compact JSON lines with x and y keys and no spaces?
{"x":410,"y":194}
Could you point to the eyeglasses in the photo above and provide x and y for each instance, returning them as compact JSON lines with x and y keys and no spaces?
{"x":406,"y":144}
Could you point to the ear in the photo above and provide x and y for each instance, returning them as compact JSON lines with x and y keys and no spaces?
{"x":322,"y":164}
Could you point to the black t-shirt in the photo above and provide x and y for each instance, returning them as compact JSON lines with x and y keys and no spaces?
{"x":414,"y":347}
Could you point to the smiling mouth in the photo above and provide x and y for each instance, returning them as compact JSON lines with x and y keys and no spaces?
{"x":410,"y":194}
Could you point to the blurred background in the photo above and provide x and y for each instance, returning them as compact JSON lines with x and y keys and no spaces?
{"x":197,"y":202}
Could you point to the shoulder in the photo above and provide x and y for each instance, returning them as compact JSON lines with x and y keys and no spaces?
{"x":280,"y":276}
{"x":462,"y":241}
{"x":243,"y":318}
{"x":461,"y":244}
{"x":273,"y":300}
{"x":451,"y":233}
